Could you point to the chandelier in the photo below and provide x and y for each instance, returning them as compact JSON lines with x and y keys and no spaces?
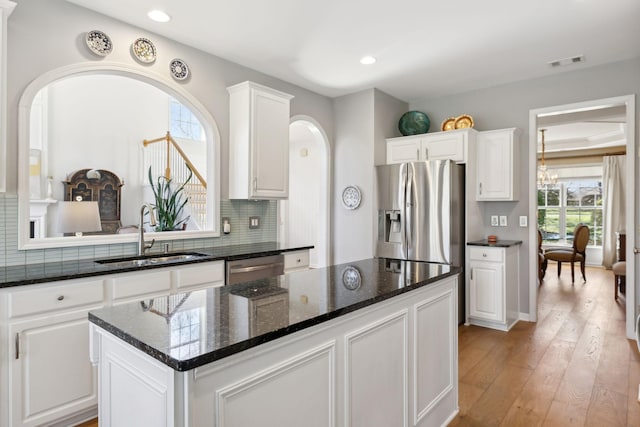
{"x":544,"y":178}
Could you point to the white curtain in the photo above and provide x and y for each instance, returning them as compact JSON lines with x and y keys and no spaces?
{"x":613,"y":181}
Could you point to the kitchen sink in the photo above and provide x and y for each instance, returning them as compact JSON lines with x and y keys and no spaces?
{"x":145,"y":260}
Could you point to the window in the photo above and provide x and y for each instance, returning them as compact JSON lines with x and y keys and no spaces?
{"x":564,"y":205}
{"x":183,"y":123}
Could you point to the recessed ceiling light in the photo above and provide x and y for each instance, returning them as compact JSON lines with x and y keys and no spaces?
{"x":158,"y":16}
{"x":368,"y":60}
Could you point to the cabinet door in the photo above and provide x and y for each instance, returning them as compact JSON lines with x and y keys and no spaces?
{"x":403,"y":150}
{"x":51,"y":375}
{"x":443,"y":146}
{"x":270,"y":147}
{"x":495,"y":166}
{"x":486,"y":291}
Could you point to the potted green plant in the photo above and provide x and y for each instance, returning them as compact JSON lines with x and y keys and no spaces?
{"x":169,"y":202}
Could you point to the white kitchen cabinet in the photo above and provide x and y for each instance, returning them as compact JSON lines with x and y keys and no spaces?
{"x":493,"y":286}
{"x":258,"y":142}
{"x":45,"y":373}
{"x":431,"y":146}
{"x":333,"y":360}
{"x":50,"y":375}
{"x":297,"y":260}
{"x":497,"y":165}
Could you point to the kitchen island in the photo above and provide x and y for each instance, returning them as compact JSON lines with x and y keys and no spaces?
{"x":369,"y":343}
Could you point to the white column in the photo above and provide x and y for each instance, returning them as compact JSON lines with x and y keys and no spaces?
{"x":6,"y":7}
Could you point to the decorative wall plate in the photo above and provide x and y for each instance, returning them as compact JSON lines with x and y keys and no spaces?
{"x":351,"y":278}
{"x":351,"y":197}
{"x":414,"y":123}
{"x":448,"y":124}
{"x":179,"y":69}
{"x":464,"y":121}
{"x":99,"y":43}
{"x":144,"y":50}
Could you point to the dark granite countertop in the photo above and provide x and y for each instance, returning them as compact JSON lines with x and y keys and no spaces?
{"x":188,"y":330}
{"x":498,"y":244}
{"x":29,"y":274}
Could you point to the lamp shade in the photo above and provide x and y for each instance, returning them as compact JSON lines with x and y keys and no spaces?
{"x":78,"y":217}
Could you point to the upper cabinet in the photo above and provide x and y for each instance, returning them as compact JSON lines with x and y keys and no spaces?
{"x":258,"y":142}
{"x":431,"y":146}
{"x":496,"y":165}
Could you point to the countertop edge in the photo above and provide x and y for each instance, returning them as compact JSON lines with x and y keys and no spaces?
{"x":186,"y":365}
{"x":104,"y":269}
{"x":497,"y":244}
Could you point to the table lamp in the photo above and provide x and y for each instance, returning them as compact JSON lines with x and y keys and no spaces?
{"x":78,"y":217}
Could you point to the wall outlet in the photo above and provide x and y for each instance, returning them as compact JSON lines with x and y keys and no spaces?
{"x":523,"y":221}
{"x":503,"y":220}
{"x":494,"y":220}
{"x":254,"y":222}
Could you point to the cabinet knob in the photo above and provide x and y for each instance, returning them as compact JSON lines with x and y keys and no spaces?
{"x":61,"y":297}
{"x":298,"y":260}
{"x":484,"y":255}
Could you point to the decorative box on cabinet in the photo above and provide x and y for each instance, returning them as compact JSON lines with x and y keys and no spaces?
{"x":431,"y":146}
{"x":258,"y":142}
{"x":496,"y":165}
{"x":493,"y":286}
{"x":103,"y":187}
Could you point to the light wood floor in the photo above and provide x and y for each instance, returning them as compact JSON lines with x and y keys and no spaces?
{"x":92,"y":423}
{"x":573,"y":368}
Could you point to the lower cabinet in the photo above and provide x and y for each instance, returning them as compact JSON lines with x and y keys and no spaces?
{"x":49,"y":377}
{"x":493,"y":287}
{"x":46,"y":377}
{"x":391,"y":364}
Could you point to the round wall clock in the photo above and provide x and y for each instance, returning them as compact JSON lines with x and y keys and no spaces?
{"x":351,"y":197}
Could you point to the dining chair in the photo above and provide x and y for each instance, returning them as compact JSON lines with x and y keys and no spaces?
{"x":575,"y":254}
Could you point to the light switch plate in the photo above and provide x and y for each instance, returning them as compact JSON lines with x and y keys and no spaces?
{"x":494,"y":220}
{"x":503,"y":220}
{"x":523,"y":221}
{"x":254,"y":222}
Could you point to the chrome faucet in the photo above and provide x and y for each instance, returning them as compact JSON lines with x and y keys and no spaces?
{"x":142,"y":246}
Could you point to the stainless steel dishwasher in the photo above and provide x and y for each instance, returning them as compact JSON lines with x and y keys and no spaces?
{"x":246,"y":270}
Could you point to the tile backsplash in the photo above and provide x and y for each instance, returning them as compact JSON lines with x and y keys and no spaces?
{"x":238,"y":211}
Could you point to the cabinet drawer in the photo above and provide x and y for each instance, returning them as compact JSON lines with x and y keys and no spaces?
{"x":49,"y":298}
{"x":486,"y":254}
{"x":201,"y":274}
{"x":141,"y":284}
{"x":296,"y":260}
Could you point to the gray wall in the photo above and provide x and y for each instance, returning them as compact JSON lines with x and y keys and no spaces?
{"x":44,"y":35}
{"x":508,"y":106}
{"x":352,"y":163}
{"x":362,"y":122}
{"x":47,"y":34}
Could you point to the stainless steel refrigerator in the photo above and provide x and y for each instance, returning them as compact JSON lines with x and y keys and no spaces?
{"x":421,"y":213}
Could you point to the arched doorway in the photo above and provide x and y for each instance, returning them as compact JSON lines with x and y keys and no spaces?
{"x":304,"y":217}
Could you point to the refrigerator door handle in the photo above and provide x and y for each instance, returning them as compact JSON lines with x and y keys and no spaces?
{"x":408,"y":210}
{"x":403,"y":219}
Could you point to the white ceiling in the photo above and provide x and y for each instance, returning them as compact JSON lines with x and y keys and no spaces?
{"x":425,"y":48}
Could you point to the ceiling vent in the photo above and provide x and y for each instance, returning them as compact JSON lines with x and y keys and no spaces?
{"x":567,"y":61}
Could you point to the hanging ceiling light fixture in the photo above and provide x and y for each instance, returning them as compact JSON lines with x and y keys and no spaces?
{"x":544,"y":177}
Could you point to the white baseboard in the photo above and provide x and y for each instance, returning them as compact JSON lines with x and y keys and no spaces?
{"x":525,"y":317}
